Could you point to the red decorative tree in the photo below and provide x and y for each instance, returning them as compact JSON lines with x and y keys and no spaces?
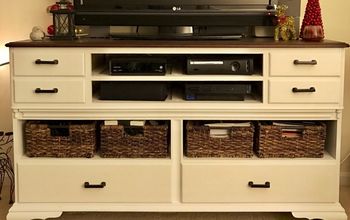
{"x":312,"y":27}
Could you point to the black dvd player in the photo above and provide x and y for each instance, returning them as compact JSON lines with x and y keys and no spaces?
{"x":137,"y":66}
{"x":214,"y":91}
{"x":233,"y":65}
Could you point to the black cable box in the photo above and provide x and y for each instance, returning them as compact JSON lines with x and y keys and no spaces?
{"x":142,"y":91}
{"x":213,"y":91}
{"x":137,"y":66}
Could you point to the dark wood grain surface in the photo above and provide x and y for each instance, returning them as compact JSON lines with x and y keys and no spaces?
{"x":242,"y":43}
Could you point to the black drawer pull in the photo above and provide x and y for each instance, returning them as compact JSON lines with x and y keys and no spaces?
{"x":51,"y":62}
{"x":296,"y":90}
{"x":38,"y":90}
{"x":300,"y":62}
{"x":251,"y":184}
{"x":87,"y":185}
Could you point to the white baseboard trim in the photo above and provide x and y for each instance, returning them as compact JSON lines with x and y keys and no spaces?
{"x":345,"y":178}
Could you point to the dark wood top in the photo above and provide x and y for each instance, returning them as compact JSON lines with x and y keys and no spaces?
{"x":242,"y":43}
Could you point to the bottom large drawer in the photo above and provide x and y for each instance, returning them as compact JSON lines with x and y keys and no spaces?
{"x":243,"y":183}
{"x":94,"y":183}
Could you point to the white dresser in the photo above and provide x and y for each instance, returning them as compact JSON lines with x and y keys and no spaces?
{"x":55,"y":81}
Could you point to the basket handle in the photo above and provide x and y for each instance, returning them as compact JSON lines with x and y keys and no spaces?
{"x":59,"y":130}
{"x":219,"y":132}
{"x":134,"y":131}
{"x":292,"y":133}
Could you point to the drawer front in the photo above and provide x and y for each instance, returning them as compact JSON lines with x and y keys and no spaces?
{"x":49,"y":90}
{"x":48,"y":62}
{"x":310,"y":62}
{"x":323,"y":90}
{"x":230,"y":183}
{"x":123,"y":183}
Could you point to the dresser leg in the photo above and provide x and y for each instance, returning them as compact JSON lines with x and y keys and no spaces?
{"x":32,"y":215}
{"x":337,"y":215}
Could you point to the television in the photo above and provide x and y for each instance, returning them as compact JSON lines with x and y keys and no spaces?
{"x":174,"y":12}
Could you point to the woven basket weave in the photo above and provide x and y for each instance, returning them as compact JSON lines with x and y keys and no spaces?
{"x":271,"y":143}
{"x":239,"y":143}
{"x":42,"y":139}
{"x":117,"y":143}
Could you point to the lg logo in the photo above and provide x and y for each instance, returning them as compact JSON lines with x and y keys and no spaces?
{"x":176,"y":8}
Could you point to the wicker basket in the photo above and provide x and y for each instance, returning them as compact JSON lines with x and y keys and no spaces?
{"x":270,"y":141}
{"x":60,"y":139}
{"x":239,"y":142}
{"x":117,"y":141}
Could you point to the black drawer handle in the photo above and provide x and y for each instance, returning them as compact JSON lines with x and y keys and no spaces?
{"x":300,"y":62}
{"x":296,"y":90}
{"x":251,"y":184}
{"x":40,"y":91}
{"x":87,"y":185}
{"x":51,"y":62}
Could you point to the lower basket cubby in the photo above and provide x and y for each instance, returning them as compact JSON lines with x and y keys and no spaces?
{"x":265,"y":139}
{"x":108,"y":139}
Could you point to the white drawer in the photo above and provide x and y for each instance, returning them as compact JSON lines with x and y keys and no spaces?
{"x":310,"y":62}
{"x":48,"y":62}
{"x":230,"y":183}
{"x":289,"y":90}
{"x":49,"y":90}
{"x":123,"y":183}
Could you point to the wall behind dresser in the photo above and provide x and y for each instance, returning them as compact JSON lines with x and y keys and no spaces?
{"x":17,"y":17}
{"x":336,"y":19}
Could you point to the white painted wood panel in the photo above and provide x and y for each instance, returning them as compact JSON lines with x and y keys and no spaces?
{"x":327,"y":90}
{"x":223,"y":183}
{"x":69,"y":90}
{"x":69,"y":62}
{"x":329,"y":62}
{"x":124,"y":183}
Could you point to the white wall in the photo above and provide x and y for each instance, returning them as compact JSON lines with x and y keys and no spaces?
{"x":336,"y":19}
{"x":17,"y":17}
{"x":5,"y":112}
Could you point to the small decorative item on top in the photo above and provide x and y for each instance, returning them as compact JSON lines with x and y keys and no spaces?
{"x":63,"y":20}
{"x":285,"y":27}
{"x":37,"y":34}
{"x":312,"y":27}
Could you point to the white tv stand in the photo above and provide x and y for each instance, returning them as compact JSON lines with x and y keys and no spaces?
{"x":307,"y":187}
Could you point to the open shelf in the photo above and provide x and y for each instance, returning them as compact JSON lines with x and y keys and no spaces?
{"x":176,"y":99}
{"x":327,"y":158}
{"x":247,"y":140}
{"x":96,"y":160}
{"x":173,"y":74}
{"x":174,"y":91}
{"x":177,"y":66}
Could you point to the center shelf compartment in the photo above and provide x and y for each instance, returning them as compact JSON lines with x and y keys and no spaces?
{"x":242,"y":91}
{"x":177,"y":66}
